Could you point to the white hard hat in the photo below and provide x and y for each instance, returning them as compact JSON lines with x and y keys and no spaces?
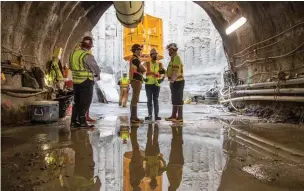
{"x":153,"y":51}
{"x":88,"y":34}
{"x":172,"y":45}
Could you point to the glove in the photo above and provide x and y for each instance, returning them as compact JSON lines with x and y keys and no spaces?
{"x":162,"y":71}
{"x":145,"y":79}
{"x":160,"y":80}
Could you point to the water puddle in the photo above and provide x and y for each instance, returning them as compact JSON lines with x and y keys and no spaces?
{"x":156,"y":156}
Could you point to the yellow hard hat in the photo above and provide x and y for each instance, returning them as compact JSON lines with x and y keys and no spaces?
{"x":153,"y":51}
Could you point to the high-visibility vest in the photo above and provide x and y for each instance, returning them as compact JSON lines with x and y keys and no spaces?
{"x":153,"y":165}
{"x":124,"y":82}
{"x":172,"y":65}
{"x":124,"y":135}
{"x":152,"y":73}
{"x":79,"y":70}
{"x":133,"y":70}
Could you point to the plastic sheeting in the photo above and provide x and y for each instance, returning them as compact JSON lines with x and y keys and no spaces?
{"x":109,"y":87}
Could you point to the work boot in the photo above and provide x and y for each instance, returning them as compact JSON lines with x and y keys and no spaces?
{"x":89,"y":119}
{"x":173,"y":115}
{"x":84,"y":124}
{"x":150,"y":113}
{"x":75,"y":124}
{"x":134,"y":118}
{"x":180,"y":114}
{"x":148,"y":118}
{"x":157,"y":118}
{"x":156,"y":111}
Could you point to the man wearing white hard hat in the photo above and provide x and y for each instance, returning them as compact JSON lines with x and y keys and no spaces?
{"x":84,"y":69}
{"x":155,"y":75}
{"x":175,"y":73}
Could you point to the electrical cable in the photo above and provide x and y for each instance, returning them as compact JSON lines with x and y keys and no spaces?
{"x":254,"y":50}
{"x":274,"y":72}
{"x":269,"y":38}
{"x":20,"y":95}
{"x":272,"y":57}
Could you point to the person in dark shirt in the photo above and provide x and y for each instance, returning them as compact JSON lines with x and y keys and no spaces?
{"x":176,"y":159}
{"x":136,"y":78}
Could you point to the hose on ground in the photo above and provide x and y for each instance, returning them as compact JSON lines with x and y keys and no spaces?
{"x":21,"y":95}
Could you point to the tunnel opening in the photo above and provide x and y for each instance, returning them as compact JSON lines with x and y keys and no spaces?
{"x":187,"y":24}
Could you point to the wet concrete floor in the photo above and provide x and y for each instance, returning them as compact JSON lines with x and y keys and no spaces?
{"x":211,"y":150}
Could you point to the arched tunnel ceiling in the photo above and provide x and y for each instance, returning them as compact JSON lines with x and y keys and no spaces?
{"x":34,"y":28}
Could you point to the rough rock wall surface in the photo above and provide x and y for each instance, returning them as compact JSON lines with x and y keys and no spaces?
{"x":187,"y":24}
{"x":35,"y":28}
{"x":265,"y":21}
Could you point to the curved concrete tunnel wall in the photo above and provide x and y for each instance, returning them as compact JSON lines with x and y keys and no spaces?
{"x":35,"y":28}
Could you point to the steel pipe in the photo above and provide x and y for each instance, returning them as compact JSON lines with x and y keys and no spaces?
{"x":266,"y":98}
{"x":272,"y":91}
{"x":273,"y":150}
{"x":271,"y":84}
{"x":129,"y":13}
{"x":274,"y":144}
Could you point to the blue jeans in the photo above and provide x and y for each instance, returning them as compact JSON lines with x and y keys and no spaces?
{"x":152,"y":92}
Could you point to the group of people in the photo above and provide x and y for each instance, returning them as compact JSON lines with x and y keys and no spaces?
{"x":153,"y":73}
{"x":85,"y":69}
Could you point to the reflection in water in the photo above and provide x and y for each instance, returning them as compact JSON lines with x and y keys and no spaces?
{"x":176,"y":159}
{"x":137,"y":172}
{"x":80,"y":178}
{"x":194,"y":158}
{"x":154,"y":162}
{"x":124,"y":134}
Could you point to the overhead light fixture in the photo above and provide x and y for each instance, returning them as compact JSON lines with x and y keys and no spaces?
{"x":236,"y":25}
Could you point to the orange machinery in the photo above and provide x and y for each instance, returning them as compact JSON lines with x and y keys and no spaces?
{"x":148,"y":33}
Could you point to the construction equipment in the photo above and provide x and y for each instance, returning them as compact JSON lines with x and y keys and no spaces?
{"x":148,"y":33}
{"x":129,"y":13}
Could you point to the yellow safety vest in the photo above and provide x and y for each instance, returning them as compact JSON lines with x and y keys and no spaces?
{"x":124,"y":82}
{"x":153,"y":165}
{"x":124,"y":135}
{"x":176,"y":64}
{"x":152,"y":74}
{"x":80,"y":72}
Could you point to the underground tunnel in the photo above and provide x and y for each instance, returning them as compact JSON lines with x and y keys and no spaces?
{"x":243,"y":97}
